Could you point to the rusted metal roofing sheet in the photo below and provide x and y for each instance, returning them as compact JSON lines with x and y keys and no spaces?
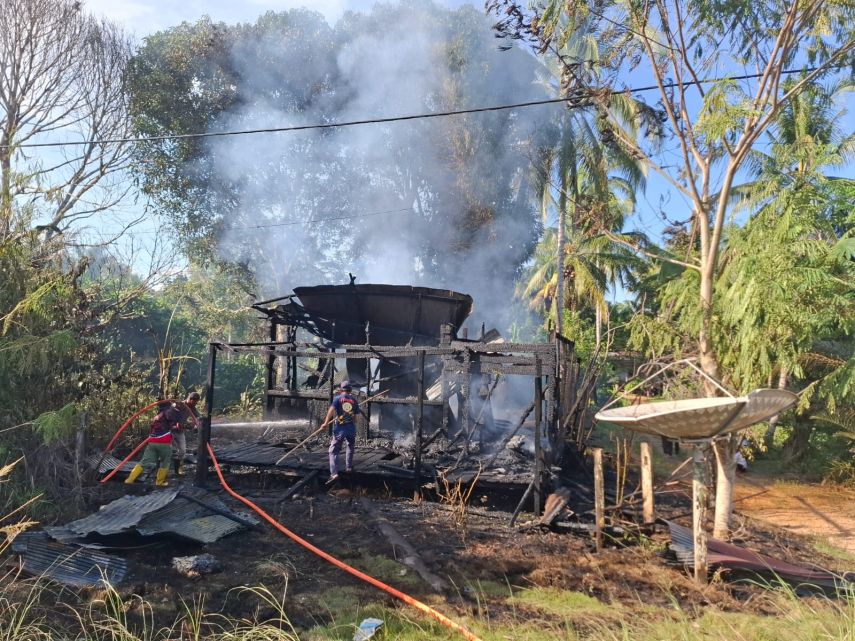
{"x":202,"y":529}
{"x":733,"y":557}
{"x":70,"y":565}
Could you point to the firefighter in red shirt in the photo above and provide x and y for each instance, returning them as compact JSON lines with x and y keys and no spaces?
{"x":158,"y":452}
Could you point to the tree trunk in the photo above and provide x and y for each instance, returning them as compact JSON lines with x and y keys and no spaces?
{"x":724,"y":448}
{"x":769,"y":436}
{"x":706,"y":351}
{"x":797,"y":444}
{"x":598,"y":325}
{"x":559,"y":266}
{"x":5,"y":187}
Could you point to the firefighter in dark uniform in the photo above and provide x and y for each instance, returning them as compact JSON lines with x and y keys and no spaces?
{"x":343,"y":411}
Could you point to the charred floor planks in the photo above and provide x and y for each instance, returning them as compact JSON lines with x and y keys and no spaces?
{"x":366,"y":459}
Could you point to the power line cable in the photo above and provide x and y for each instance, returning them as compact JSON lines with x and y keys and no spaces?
{"x":422,"y":116}
{"x":293,"y":222}
{"x":319,"y":220}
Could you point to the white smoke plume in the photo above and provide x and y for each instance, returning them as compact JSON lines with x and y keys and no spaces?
{"x":393,"y":202}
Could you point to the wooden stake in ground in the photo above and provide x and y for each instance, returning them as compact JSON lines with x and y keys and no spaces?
{"x":599,"y":497}
{"x":647,"y":483}
{"x":699,"y":511}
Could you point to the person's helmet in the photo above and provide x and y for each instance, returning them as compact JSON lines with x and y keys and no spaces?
{"x":345,"y":385}
{"x":193,"y":396}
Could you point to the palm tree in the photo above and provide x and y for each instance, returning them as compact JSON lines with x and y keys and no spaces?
{"x":589,"y":190}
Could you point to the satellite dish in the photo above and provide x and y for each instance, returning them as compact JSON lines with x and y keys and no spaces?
{"x":700,"y":418}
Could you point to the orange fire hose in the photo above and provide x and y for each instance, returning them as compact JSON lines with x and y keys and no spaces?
{"x":129,"y":421}
{"x":126,"y":459}
{"x":423,"y":607}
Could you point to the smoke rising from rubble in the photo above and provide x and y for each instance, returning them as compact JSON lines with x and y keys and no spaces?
{"x":409,"y":190}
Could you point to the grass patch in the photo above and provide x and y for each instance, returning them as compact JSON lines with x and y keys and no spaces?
{"x":823,"y":546}
{"x":549,"y":614}
{"x":797,"y":621}
{"x":482,"y":589}
{"x":401,"y":626}
{"x":575,"y":606}
{"x":389,"y":571}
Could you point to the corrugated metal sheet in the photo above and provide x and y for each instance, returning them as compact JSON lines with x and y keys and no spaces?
{"x":203,"y":517}
{"x":733,"y":557}
{"x":66,"y":564}
{"x":202,"y":529}
{"x":108,"y":464}
{"x":191,"y":520}
{"x":122,"y":514}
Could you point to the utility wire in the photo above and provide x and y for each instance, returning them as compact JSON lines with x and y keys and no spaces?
{"x":293,"y":222}
{"x":421,"y":116}
{"x":319,"y":220}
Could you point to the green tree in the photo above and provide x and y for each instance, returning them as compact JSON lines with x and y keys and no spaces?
{"x":714,"y":125}
{"x":786,"y":277}
{"x":589,"y":187}
{"x":444,"y":196}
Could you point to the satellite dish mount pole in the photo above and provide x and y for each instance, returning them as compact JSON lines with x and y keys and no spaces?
{"x":700,"y":470}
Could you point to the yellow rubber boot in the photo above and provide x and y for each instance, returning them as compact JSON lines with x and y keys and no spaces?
{"x":134,"y":475}
{"x":161,"y":477}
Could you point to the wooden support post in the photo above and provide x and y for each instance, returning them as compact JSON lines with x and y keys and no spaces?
{"x":599,"y":497}
{"x":331,"y":371}
{"x":466,"y":391}
{"x":699,"y":511}
{"x":205,"y":430}
{"x":292,"y":338}
{"x":271,"y":360}
{"x":521,"y":503}
{"x":80,"y":451}
{"x":445,"y":341}
{"x":420,"y":409}
{"x":648,"y":510}
{"x":367,"y":409}
{"x":538,"y":450}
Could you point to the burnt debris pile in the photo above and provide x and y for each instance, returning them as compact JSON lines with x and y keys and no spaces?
{"x":444,"y":407}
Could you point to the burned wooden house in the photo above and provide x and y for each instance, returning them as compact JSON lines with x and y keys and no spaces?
{"x":444,"y":406}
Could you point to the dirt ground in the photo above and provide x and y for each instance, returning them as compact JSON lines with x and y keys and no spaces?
{"x":809,"y":510}
{"x":482,"y":557}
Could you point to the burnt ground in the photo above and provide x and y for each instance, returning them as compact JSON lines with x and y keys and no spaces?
{"x":483,"y":558}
